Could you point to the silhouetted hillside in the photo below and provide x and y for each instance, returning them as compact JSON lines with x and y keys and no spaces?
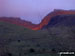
{"x":62,"y":29}
{"x":17,"y":40}
{"x":57,"y":34}
{"x":13,"y":36}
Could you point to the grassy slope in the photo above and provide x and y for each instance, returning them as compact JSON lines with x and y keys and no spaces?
{"x":11,"y":33}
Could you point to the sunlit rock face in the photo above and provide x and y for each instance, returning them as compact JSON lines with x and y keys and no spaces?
{"x":48,"y":19}
{"x":34,"y":11}
{"x":61,"y":21}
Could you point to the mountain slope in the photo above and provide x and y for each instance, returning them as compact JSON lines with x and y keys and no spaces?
{"x":50,"y":16}
{"x":17,"y":21}
{"x":16,"y":39}
{"x":44,"y":22}
{"x":62,"y":20}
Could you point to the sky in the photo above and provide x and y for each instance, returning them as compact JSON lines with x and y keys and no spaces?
{"x":33,"y":10}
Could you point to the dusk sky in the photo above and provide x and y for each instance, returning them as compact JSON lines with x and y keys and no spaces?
{"x":33,"y":10}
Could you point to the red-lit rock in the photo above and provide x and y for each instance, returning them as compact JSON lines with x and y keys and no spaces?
{"x":44,"y":22}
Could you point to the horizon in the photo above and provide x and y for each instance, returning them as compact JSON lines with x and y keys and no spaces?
{"x":31,"y":10}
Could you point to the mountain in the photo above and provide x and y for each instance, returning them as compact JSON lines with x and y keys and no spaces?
{"x":16,"y":40}
{"x":43,"y":23}
{"x":47,"y":19}
{"x":18,"y":21}
{"x":61,"y":20}
{"x":57,"y":36}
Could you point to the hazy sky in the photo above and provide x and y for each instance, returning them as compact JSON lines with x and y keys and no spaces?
{"x":33,"y":10}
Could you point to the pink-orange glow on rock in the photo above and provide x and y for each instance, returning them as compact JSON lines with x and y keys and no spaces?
{"x":44,"y":22}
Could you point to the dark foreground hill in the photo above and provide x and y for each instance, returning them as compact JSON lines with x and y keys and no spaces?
{"x":57,"y":36}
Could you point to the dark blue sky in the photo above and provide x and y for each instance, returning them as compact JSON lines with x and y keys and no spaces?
{"x":33,"y":10}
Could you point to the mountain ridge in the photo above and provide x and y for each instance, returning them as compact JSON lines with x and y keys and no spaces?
{"x":43,"y":23}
